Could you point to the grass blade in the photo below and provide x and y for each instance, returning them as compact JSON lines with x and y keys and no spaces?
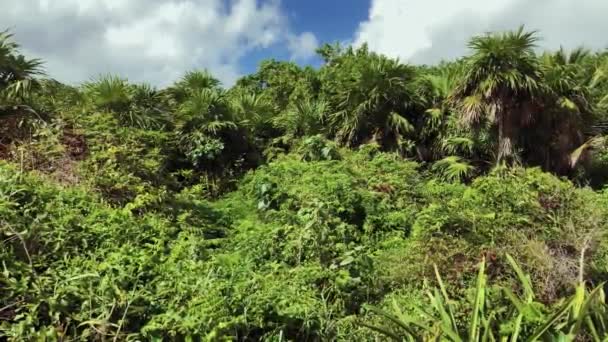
{"x":551,"y":321}
{"x":523,"y":278}
{"x":446,"y":297}
{"x":478,"y":303}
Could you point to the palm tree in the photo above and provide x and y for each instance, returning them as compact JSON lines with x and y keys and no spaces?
{"x":502,"y":83}
{"x":566,"y":111}
{"x":251,"y":110}
{"x":213,"y":133}
{"x":110,"y":93}
{"x":17,"y":73}
{"x":371,"y":97}
{"x":135,"y":105}
{"x":192,"y":83}
{"x":149,"y":107}
{"x":206,"y":110}
{"x":17,"y":81}
{"x":434,"y":87}
{"x":302,"y":118}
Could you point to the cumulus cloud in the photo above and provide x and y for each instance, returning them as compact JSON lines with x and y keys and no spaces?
{"x":303,"y":47}
{"x":431,"y":30}
{"x":148,"y":40}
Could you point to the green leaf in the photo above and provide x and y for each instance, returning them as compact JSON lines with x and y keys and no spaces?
{"x":480,"y":289}
{"x":551,"y":321}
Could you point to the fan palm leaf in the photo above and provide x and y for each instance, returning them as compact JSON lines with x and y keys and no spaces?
{"x":453,"y":168}
{"x":17,"y":73}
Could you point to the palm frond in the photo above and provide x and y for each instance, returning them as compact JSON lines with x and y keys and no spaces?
{"x":399,"y":123}
{"x":576,"y":155}
{"x":453,"y":145}
{"x":472,"y":109}
{"x":18,"y":74}
{"x":110,"y":93}
{"x":198,"y":80}
{"x":453,"y":168}
{"x":251,"y":109}
{"x":303,"y":117}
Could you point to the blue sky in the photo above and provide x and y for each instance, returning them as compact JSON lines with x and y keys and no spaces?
{"x":329,"y":20}
{"x":157,"y":41}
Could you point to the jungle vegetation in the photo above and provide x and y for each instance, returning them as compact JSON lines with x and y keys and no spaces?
{"x":367,"y":199}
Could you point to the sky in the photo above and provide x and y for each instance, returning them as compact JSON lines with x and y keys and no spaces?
{"x":157,"y":41}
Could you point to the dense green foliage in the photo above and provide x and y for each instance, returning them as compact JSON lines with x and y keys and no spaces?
{"x":363,"y":200}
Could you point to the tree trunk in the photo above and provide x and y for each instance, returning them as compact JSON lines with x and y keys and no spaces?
{"x":506,"y":137}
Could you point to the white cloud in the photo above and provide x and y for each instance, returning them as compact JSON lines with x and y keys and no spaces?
{"x":147,"y":40}
{"x":430,"y":30}
{"x":303,"y":47}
